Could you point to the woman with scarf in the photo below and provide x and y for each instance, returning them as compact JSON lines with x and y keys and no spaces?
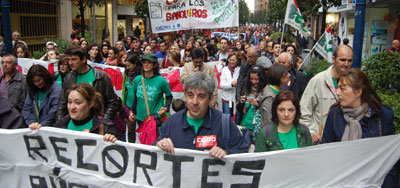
{"x":358,"y":114}
{"x":229,"y":78}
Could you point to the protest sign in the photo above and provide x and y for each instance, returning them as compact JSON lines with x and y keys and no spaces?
{"x":52,"y":157}
{"x":116,"y":73}
{"x":175,"y":15}
{"x":229,"y":36}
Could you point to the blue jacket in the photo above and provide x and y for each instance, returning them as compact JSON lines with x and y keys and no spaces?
{"x":183,"y":135}
{"x":334,"y":129}
{"x":47,"y":110}
{"x":333,"y":132}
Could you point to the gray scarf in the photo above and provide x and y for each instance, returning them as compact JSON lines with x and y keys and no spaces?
{"x":352,"y":116}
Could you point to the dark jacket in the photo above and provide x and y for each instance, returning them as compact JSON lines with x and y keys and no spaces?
{"x":10,"y":118}
{"x":244,"y":69}
{"x":47,"y":110}
{"x":335,"y":125}
{"x":16,"y":90}
{"x":97,"y":121}
{"x":272,"y":143}
{"x":298,"y":82}
{"x":183,"y":135}
{"x":102,"y":84}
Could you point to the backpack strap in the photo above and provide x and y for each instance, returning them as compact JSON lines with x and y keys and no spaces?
{"x":267,"y":133}
{"x":305,"y":132}
{"x":225,"y":130}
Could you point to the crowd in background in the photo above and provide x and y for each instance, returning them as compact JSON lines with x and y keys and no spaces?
{"x":263,"y":89}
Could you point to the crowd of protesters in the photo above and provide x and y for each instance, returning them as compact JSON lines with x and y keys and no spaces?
{"x":263,"y":90}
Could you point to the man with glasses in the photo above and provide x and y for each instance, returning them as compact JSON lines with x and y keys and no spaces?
{"x":198,"y":65}
{"x":298,"y":81}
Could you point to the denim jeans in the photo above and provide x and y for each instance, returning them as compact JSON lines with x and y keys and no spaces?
{"x":226,"y":109}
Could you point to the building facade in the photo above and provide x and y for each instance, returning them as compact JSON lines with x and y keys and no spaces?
{"x":261,"y":5}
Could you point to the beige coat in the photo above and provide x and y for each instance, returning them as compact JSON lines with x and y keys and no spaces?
{"x":317,"y":99}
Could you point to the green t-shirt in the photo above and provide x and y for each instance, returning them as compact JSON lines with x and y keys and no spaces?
{"x":59,"y":80}
{"x":86,"y":77}
{"x":130,"y":94}
{"x":82,"y":128}
{"x":196,"y":123}
{"x":249,"y":116}
{"x":289,"y":139}
{"x":41,"y":96}
{"x":156,"y":88}
{"x":335,"y":83}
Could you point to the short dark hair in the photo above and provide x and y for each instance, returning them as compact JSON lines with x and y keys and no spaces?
{"x":178,"y":105}
{"x":198,"y":53}
{"x":275,"y":73}
{"x":285,"y":96}
{"x":76,"y":50}
{"x":224,"y":38}
{"x":38,"y":70}
{"x":275,"y":43}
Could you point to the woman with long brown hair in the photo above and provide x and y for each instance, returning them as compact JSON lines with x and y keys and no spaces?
{"x":359,"y":114}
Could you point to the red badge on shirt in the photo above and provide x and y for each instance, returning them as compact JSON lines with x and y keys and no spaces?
{"x":206,"y":141}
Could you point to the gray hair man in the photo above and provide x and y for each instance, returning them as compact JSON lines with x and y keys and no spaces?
{"x":199,"y":126}
{"x":12,"y":82}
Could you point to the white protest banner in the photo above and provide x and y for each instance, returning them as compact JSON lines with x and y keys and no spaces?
{"x":24,"y":64}
{"x":175,"y":15}
{"x":116,"y":73}
{"x":52,"y":157}
{"x":229,"y":36}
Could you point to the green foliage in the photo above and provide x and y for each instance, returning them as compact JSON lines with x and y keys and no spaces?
{"x":278,"y":35}
{"x":316,"y":66}
{"x":142,"y":9}
{"x":38,"y":54}
{"x":276,"y":11}
{"x":244,"y":12}
{"x":383,"y":71}
{"x":62,"y":45}
{"x":393,"y":101}
{"x":259,"y":17}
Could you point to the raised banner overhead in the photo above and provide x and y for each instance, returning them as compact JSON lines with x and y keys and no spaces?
{"x":175,"y":15}
{"x":52,"y":157}
{"x":294,"y":18}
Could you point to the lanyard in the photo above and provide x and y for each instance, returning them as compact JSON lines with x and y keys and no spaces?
{"x":334,"y":95}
